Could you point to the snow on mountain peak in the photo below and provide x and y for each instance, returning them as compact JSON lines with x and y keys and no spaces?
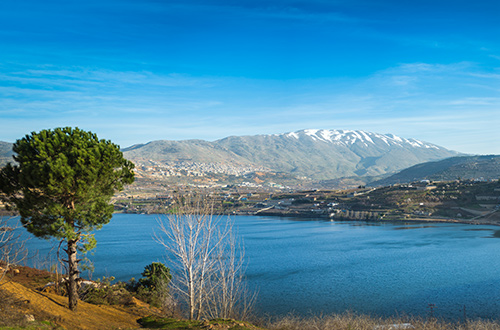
{"x":350,"y":137}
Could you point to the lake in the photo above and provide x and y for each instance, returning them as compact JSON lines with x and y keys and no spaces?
{"x":317,"y":266}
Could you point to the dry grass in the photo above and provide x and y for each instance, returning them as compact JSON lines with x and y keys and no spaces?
{"x":9,"y":307}
{"x":14,"y":312}
{"x":349,"y":321}
{"x":52,"y":307}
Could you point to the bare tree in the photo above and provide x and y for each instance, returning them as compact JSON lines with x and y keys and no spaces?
{"x":205,"y":258}
{"x":12,"y":249}
{"x":229,"y":296}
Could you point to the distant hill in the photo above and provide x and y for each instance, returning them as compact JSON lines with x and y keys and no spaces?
{"x":5,"y":153}
{"x":187,"y":150}
{"x":316,"y":154}
{"x":464,"y":167}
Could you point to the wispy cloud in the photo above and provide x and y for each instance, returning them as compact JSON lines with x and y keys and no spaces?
{"x":443,"y":104}
{"x":77,"y":89}
{"x":47,"y":78}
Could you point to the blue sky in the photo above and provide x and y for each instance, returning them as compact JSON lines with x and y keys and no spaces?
{"x":133,"y":71}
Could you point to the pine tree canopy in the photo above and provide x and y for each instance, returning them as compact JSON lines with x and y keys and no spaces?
{"x":63,"y":181}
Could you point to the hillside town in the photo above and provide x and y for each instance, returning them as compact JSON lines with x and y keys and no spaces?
{"x":155,"y":168}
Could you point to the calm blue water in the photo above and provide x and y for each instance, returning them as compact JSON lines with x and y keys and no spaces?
{"x":321,"y":266}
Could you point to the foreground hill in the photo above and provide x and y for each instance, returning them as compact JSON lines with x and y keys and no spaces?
{"x":25,"y":305}
{"x":316,"y":154}
{"x":18,"y":300}
{"x":464,"y":167}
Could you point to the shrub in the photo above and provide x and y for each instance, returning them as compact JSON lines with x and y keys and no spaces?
{"x":106,"y":293}
{"x":153,"y":286}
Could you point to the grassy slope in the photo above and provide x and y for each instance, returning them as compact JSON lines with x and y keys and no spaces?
{"x":20,"y":296}
{"x":53,"y":307}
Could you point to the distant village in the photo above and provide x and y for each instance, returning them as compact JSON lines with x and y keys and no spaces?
{"x":191,"y":169}
{"x":210,"y":175}
{"x":473,"y":201}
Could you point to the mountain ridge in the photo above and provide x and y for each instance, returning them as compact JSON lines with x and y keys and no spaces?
{"x":313,"y":153}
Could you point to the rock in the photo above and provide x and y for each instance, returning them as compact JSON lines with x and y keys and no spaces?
{"x":86,"y":284}
{"x":29,"y":318}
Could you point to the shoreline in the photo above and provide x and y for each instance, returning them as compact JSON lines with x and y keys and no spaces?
{"x":313,"y":216}
{"x":415,"y":220}
{"x":309,"y":215}
{"x":306,"y":216}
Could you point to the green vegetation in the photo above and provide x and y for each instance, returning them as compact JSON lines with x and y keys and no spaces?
{"x":36,"y":325}
{"x":62,"y":186}
{"x":106,"y":293}
{"x":153,"y":288}
{"x":154,"y":322}
{"x":155,"y":275}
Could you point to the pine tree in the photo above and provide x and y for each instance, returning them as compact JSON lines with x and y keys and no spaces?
{"x":62,"y":185}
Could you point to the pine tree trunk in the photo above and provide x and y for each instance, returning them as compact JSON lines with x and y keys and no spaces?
{"x":73,"y":275}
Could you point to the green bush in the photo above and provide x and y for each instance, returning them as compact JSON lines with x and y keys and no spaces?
{"x":106,"y":293}
{"x":153,"y":286}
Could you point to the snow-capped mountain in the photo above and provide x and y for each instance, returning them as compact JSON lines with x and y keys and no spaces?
{"x":313,"y":153}
{"x":348,"y":137}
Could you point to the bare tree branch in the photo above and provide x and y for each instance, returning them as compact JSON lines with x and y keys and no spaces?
{"x":206,"y":259}
{"x":12,"y":249}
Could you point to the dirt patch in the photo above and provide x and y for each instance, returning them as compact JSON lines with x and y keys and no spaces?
{"x":30,"y":277}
